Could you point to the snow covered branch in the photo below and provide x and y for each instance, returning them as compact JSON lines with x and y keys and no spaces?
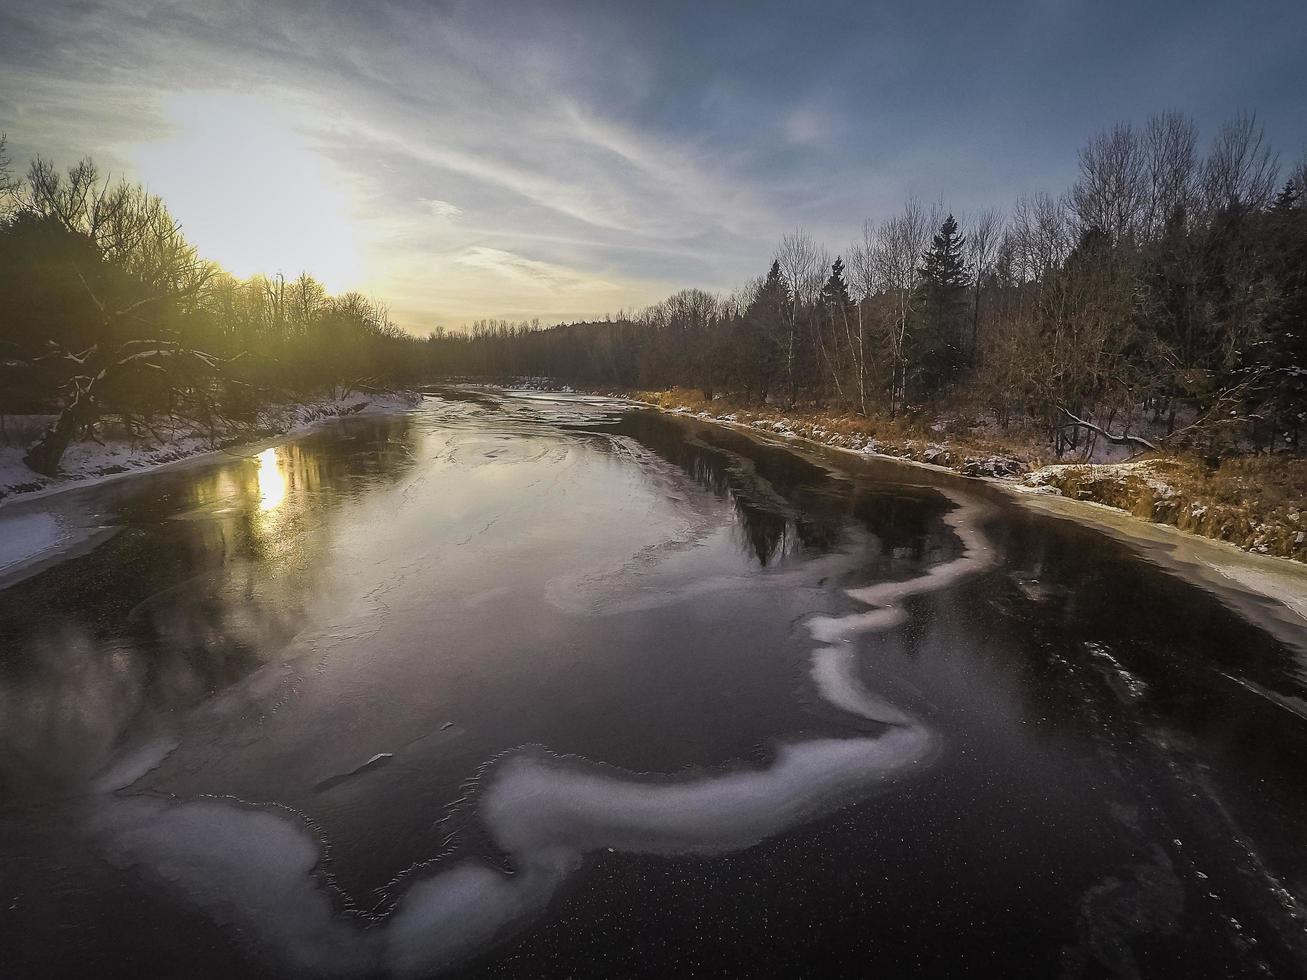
{"x":1124,"y":439}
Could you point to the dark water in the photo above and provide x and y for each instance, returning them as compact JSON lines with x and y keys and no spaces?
{"x":535,"y":686}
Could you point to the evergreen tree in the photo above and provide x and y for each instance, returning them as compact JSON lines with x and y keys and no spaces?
{"x":835,"y":294}
{"x":935,"y":353}
{"x":835,"y":332}
{"x":775,"y":294}
{"x":764,"y":328}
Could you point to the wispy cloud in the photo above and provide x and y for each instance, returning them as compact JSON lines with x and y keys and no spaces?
{"x":442,"y":209}
{"x":564,"y":160}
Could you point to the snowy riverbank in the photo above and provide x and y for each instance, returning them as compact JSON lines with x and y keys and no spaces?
{"x":88,"y":462}
{"x":1258,"y":504}
{"x":1242,"y":578}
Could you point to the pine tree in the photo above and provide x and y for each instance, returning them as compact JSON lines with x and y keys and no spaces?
{"x":835,"y":294}
{"x":936,"y":353}
{"x":775,"y":294}
{"x":835,"y":339}
{"x":764,"y":324}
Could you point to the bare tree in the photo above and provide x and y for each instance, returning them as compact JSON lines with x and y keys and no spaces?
{"x":1112,"y":189}
{"x":1041,"y":231}
{"x":187,"y":372}
{"x":865,"y":281}
{"x":133,"y":233}
{"x":114,"y":217}
{"x":1170,"y":143}
{"x":306,"y":299}
{"x":887,"y":260}
{"x":984,"y":233}
{"x":802,"y":266}
{"x":10,"y":186}
{"x":1241,"y":171}
{"x":1117,"y":439}
{"x":691,"y":309}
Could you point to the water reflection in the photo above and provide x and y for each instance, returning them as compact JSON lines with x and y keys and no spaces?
{"x":272,"y":484}
{"x":643,"y":592}
{"x":204,"y":584}
{"x":784,"y":505}
{"x":548,"y":813}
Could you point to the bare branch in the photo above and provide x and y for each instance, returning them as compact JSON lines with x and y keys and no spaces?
{"x":1124,"y":439}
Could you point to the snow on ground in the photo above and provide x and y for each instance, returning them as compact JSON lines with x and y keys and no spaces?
{"x":1050,"y":476}
{"x":86,"y":461}
{"x":1241,"y":579}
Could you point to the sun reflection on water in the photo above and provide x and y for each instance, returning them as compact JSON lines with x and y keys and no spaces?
{"x":272,"y":482}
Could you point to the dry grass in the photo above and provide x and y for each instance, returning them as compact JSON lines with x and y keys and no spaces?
{"x":912,"y":437}
{"x":1258,"y":502}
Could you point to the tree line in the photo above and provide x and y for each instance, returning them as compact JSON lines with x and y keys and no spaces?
{"x":1165,"y":284}
{"x":109,"y":316}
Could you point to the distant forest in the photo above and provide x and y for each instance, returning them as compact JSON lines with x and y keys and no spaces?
{"x":1162,"y":282}
{"x":1165,"y":283}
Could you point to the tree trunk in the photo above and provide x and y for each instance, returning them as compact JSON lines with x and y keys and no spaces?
{"x":45,"y":455}
{"x":975,"y":323}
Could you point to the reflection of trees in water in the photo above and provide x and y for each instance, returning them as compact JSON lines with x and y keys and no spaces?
{"x":204,"y":584}
{"x":767,"y":535}
{"x":786,"y":506}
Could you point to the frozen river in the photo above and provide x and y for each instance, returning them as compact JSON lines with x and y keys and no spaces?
{"x":524,"y":685}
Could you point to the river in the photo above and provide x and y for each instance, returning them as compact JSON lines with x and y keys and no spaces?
{"x":524,"y":685}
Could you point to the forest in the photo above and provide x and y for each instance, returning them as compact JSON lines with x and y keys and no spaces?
{"x":1164,"y":287}
{"x":1160,"y":299}
{"x":109,"y":316}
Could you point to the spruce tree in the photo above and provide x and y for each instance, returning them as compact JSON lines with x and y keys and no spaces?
{"x":835,"y":294}
{"x":936,"y":352}
{"x":765,"y":324}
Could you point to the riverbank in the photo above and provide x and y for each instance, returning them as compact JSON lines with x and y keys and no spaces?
{"x":87,"y":461}
{"x":1241,"y":578}
{"x":1258,"y":504}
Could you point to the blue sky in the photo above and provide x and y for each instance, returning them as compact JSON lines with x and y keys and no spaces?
{"x":467,"y":160}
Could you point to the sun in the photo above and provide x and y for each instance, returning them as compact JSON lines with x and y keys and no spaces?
{"x":251,"y":192}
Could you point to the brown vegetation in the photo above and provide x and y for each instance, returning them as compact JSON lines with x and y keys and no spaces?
{"x":1255,"y":502}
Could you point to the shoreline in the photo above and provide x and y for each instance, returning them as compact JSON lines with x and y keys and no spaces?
{"x":1232,"y":572}
{"x":302,"y":417}
{"x":1153,"y":490}
{"x":1268,"y":590}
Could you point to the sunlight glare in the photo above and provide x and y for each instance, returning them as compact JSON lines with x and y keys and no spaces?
{"x":251,"y":193}
{"x":272,"y":483}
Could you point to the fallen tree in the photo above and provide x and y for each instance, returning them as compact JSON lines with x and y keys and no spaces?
{"x":1121,"y":439}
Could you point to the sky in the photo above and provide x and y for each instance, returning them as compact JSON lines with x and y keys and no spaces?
{"x":461,"y":161}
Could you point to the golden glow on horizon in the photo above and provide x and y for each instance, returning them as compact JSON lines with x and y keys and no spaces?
{"x":272,"y":482}
{"x":250,"y":193}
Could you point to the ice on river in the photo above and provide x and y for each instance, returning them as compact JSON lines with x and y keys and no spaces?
{"x":253,"y":867}
{"x":595,"y":630}
{"x":31,"y":539}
